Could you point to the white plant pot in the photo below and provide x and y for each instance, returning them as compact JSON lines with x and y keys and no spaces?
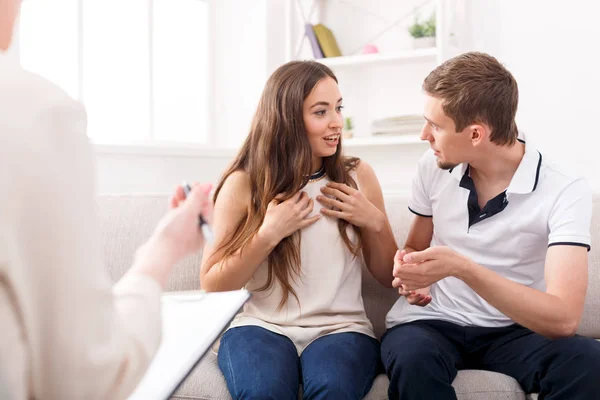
{"x":423,"y":42}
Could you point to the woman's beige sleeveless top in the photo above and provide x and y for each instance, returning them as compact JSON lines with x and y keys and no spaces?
{"x":328,"y":289}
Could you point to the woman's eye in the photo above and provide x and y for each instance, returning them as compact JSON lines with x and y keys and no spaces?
{"x":339,"y":108}
{"x":320,"y":112}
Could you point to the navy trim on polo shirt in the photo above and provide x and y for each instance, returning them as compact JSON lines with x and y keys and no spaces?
{"x":491,"y":208}
{"x":519,"y":184}
{"x":587,"y":246}
{"x":537,"y":172}
{"x":420,"y":215}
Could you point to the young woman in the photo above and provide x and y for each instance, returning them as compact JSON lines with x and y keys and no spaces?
{"x":294,"y":220}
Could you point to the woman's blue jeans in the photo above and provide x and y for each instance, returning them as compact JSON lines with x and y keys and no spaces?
{"x":260,"y":364}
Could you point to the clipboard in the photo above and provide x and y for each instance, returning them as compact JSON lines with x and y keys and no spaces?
{"x":191,"y":323}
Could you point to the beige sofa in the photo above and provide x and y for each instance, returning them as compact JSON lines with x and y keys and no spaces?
{"x":126,"y":221}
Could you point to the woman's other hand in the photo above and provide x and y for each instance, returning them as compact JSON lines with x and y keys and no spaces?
{"x":351,"y":205}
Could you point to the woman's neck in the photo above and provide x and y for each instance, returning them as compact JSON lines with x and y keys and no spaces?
{"x":317,"y":163}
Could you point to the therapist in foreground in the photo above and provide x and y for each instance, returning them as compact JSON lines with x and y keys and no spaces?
{"x":65,"y":333}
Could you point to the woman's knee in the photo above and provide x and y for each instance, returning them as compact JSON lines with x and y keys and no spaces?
{"x":259,"y":364}
{"x":333,"y":386}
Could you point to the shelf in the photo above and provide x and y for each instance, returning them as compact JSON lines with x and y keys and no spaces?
{"x":381,"y":58}
{"x":162,"y":149}
{"x":382,"y":141}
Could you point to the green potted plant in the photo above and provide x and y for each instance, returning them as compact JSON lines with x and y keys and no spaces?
{"x":423,"y":33}
{"x":348,"y":127}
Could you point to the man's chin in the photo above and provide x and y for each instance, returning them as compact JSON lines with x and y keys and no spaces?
{"x":445,"y":165}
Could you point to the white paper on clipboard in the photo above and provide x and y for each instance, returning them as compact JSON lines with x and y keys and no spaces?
{"x":191,"y":322}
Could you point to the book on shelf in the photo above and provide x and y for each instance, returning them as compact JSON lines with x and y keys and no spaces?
{"x":312,"y":39}
{"x":327,"y":41}
{"x":398,"y":125}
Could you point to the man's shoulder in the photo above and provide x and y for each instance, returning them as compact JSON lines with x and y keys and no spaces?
{"x":556,"y":177}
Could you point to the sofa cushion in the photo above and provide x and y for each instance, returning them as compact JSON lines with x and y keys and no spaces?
{"x":479,"y":385}
{"x":206,"y":382}
{"x":590,"y":323}
{"x":126,"y":222}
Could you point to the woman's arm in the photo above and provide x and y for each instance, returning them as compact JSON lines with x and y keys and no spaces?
{"x":231,"y":207}
{"x":281,"y":220}
{"x":379,"y":244}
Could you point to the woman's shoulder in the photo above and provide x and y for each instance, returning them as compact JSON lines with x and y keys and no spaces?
{"x":236,"y":188}
{"x":365,"y":176}
{"x":358,"y":168}
{"x":238,"y":179}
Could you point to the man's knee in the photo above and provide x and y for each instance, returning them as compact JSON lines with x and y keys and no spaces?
{"x":577,"y":355}
{"x":415,"y":356}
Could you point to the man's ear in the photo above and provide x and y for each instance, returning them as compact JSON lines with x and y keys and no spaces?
{"x":478,"y":133}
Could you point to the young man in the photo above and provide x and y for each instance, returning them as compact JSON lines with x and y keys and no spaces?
{"x":494,"y":271}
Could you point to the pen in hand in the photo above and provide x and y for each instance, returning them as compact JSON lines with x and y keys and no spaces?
{"x":207,"y":231}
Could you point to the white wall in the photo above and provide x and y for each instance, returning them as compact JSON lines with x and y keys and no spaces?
{"x":240,"y":65}
{"x":551,"y":47}
{"x":249,"y":44}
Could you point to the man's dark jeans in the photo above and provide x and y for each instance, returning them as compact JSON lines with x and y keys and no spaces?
{"x":422,"y":359}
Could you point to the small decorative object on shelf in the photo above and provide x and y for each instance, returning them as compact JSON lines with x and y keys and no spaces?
{"x":348,"y":127}
{"x":370,"y":49}
{"x":423,"y":33}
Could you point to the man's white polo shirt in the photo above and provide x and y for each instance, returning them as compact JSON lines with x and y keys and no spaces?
{"x":541,"y":207}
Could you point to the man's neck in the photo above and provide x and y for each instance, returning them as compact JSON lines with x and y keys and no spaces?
{"x":497,"y":164}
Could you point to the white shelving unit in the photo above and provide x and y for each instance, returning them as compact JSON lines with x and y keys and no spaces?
{"x":380,"y":58}
{"x":373,"y":141}
{"x":371,"y":83}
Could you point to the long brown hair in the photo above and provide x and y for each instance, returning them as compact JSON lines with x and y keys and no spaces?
{"x":277,"y":157}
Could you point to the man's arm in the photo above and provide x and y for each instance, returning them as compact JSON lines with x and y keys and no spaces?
{"x":420,"y":234}
{"x":555,"y":313}
{"x":419,"y":239}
